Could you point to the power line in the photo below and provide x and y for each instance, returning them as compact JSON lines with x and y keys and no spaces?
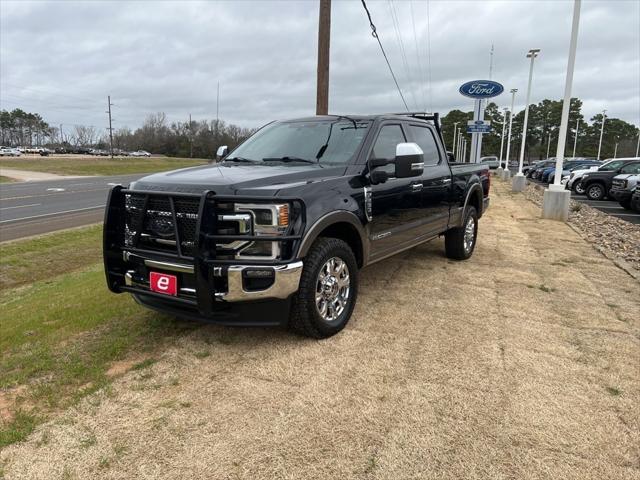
{"x":384,"y":54}
{"x":420,"y":69}
{"x":403,"y":51}
{"x":429,"y":56}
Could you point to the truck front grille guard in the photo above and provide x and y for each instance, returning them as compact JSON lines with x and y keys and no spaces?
{"x":180,"y":235}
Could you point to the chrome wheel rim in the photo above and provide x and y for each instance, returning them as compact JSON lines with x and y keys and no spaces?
{"x":332,"y":289}
{"x":469,"y":234}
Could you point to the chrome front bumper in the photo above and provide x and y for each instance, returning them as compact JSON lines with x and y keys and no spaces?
{"x":286,"y":282}
{"x":286,"y":279}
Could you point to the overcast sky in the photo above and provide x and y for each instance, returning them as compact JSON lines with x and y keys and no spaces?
{"x":62,"y":58}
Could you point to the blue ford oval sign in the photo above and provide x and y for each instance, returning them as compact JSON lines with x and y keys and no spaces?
{"x":481,"y":89}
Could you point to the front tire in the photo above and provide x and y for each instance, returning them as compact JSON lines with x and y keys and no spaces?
{"x":328,"y":290}
{"x":626,"y":204}
{"x":460,"y":242}
{"x":578,"y":188}
{"x":595,"y":191}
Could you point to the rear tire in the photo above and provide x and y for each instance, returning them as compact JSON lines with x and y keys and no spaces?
{"x":328,"y":290}
{"x":460,"y":242}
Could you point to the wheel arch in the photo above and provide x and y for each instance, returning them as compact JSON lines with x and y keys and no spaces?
{"x":343,"y":225}
{"x":474,"y":199}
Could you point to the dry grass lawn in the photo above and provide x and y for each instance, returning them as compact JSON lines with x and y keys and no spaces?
{"x":521,"y":363}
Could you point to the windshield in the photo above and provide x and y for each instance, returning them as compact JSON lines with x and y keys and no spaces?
{"x":612,"y":165}
{"x":316,"y":141}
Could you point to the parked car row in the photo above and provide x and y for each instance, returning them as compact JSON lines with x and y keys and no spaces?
{"x":616,"y":178}
{"x":9,"y":152}
{"x":17,"y":151}
{"x":545,"y":170}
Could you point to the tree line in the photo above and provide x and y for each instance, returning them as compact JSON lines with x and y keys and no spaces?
{"x":543,"y":127}
{"x":200,"y":138}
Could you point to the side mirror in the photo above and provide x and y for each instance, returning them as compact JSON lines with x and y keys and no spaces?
{"x":379,"y":176}
{"x":222,"y":152}
{"x":409,"y":160}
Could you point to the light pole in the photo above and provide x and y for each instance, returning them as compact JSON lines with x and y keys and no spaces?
{"x":638,"y":144}
{"x":464,"y":151}
{"x":504,"y":123}
{"x":575,"y":139}
{"x":604,"y":116}
{"x":459,"y":143}
{"x":506,"y":174}
{"x":615,"y":150}
{"x":555,"y":203}
{"x":519,"y":180}
{"x":548,"y":144}
{"x":455,"y":127}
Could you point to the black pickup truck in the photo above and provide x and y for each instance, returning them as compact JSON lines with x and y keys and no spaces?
{"x":276,"y":231}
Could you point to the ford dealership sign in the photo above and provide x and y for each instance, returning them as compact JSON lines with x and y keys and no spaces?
{"x":481,"y":89}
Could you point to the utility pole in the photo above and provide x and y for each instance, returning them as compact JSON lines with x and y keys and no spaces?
{"x":110,"y":127}
{"x":575,"y":139}
{"x":190,"y":137}
{"x":218,"y":105}
{"x":604,"y":116}
{"x":61,"y":136}
{"x":638,"y":144}
{"x":615,"y":150}
{"x":324,"y":35}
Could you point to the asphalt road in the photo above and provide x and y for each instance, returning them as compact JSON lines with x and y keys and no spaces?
{"x":610,"y":207}
{"x":32,"y":208}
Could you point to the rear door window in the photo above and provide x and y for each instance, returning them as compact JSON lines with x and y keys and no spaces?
{"x":423,"y":136}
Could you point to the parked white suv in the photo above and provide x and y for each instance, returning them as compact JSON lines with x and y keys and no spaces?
{"x":9,"y":152}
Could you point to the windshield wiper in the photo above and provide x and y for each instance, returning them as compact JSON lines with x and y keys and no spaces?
{"x":286,"y":159}
{"x":239,"y":160}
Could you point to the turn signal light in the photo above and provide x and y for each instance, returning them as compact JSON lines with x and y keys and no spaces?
{"x":283,"y":215}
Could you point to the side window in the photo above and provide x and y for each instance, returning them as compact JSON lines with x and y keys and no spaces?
{"x":389,"y":137}
{"x":423,"y":136}
{"x":633,"y":168}
{"x":611,"y":166}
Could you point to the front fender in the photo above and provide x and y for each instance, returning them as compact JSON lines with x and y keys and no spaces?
{"x":332,"y":218}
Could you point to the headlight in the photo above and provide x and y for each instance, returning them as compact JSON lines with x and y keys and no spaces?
{"x":267,"y":220}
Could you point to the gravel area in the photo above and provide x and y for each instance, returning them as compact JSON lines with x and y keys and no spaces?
{"x":612,"y":236}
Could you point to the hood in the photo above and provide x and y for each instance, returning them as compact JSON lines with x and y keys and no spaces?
{"x":238,"y":179}
{"x":626,"y":176}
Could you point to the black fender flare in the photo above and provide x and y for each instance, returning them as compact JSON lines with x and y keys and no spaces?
{"x":476,"y":187}
{"x":331,"y":218}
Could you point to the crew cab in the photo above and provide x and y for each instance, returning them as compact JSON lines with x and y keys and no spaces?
{"x":277,"y":230}
{"x":597,"y":185}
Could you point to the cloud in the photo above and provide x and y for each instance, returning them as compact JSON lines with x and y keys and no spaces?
{"x":63,"y":58}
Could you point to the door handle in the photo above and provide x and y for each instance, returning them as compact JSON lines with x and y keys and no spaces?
{"x":446,"y":180}
{"x":416,"y":187}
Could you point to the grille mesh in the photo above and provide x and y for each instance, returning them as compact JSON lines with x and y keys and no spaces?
{"x":156,"y":228}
